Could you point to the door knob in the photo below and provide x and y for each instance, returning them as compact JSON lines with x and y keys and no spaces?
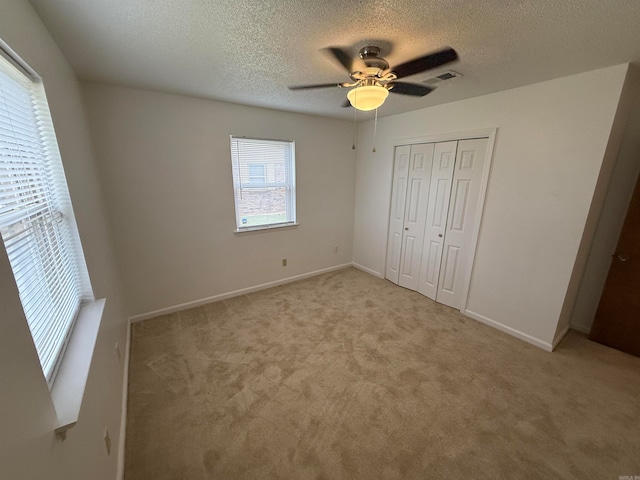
{"x":406,"y":228}
{"x":623,"y":257}
{"x":440,"y":235}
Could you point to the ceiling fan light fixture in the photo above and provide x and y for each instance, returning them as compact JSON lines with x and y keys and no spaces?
{"x":368,"y":97}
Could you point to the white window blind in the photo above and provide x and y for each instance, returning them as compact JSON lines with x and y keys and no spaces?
{"x":36,"y":217}
{"x":263,"y":182}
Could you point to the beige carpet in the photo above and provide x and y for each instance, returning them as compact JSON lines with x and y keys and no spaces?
{"x":345,"y":376}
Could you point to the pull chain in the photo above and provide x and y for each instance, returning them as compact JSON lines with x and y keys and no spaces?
{"x":355,"y":112}
{"x":375,"y":131}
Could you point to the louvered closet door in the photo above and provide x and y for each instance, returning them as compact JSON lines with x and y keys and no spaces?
{"x":419,"y":176}
{"x":438,"y":206}
{"x":462,"y":215}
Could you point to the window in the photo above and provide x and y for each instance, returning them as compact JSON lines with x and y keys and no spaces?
{"x":263,"y":183}
{"x":37,"y":224}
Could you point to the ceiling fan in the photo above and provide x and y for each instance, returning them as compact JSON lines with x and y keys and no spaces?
{"x":372,"y":79}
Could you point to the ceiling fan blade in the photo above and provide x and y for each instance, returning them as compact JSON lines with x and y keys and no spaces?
{"x":341,"y":56}
{"x":410,"y":89}
{"x":318,"y":85}
{"x":422,"y":64}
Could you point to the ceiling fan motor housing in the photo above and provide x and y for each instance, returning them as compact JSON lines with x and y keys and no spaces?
{"x":371,"y":58}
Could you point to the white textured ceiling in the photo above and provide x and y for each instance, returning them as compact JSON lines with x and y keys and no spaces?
{"x":248,"y":51}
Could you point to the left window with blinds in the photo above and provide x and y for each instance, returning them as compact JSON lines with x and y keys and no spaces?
{"x":37,"y":223}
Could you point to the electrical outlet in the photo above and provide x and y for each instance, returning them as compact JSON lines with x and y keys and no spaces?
{"x":336,"y":249}
{"x":107,"y":441}
{"x":284,"y":262}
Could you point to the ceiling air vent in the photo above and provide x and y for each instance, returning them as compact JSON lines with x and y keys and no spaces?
{"x":449,"y":75}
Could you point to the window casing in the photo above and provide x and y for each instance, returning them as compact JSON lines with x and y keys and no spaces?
{"x":263,"y":183}
{"x":37,"y":224}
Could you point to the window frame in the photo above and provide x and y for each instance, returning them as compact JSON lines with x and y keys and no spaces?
{"x":269,"y":180}
{"x":59,"y":211}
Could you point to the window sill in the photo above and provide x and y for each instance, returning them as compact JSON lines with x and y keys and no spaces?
{"x":69,"y":385}
{"x":267,"y":228}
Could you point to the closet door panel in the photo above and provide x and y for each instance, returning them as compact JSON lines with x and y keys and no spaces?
{"x":417,"y":198}
{"x":462,"y":215}
{"x":449,"y":267}
{"x":436,"y":220}
{"x":396,"y":219}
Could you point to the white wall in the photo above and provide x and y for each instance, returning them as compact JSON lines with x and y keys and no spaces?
{"x":29,"y":449}
{"x":617,"y":195}
{"x":166,"y":168}
{"x":549,"y":149}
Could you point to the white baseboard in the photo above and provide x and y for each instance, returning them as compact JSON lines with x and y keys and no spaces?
{"x":125,"y":394}
{"x":367,"y":270}
{"x":581,"y":328}
{"x":560,"y":336}
{"x":234,"y":293}
{"x":511,"y":331}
